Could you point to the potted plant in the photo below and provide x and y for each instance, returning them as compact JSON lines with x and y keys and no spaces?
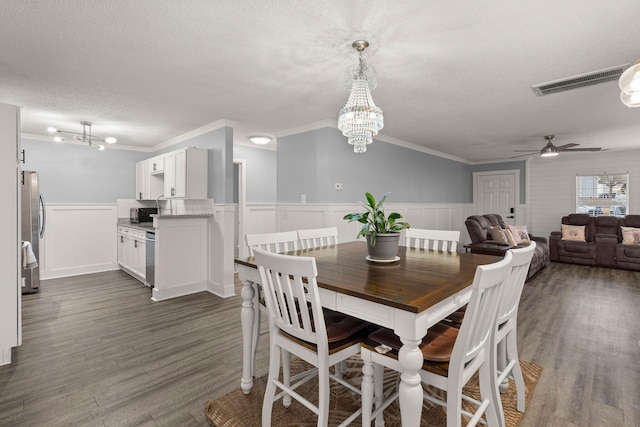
{"x":381,"y":231}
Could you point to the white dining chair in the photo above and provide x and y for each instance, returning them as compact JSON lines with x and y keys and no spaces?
{"x":272,"y":242}
{"x":506,"y":336}
{"x":320,"y":337}
{"x":279,"y":242}
{"x":318,"y":237}
{"x":437,"y":240}
{"x":451,"y":356}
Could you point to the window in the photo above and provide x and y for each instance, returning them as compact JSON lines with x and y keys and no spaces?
{"x":604,"y":194}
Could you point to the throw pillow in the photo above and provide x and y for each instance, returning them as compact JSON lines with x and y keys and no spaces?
{"x":630,"y":236}
{"x":497,"y":234}
{"x":510,"y":239}
{"x":573,"y":232}
{"x":520,"y":233}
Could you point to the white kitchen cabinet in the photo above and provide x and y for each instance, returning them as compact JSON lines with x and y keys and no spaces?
{"x":156,"y":165}
{"x":132,"y":252}
{"x":143,"y":181}
{"x":150,"y":178}
{"x":186,"y":174}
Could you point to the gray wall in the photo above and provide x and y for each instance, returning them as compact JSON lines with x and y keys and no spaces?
{"x":309,"y":163}
{"x":313,"y":162}
{"x":260,"y":173}
{"x":71,"y":173}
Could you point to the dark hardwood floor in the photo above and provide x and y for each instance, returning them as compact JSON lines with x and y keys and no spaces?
{"x":98,"y":352}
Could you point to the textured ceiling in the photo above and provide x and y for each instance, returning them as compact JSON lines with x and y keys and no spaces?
{"x":453,"y":77}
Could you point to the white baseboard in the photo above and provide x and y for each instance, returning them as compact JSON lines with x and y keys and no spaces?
{"x":5,"y":356}
{"x":221,"y":290}
{"x":178,"y":291}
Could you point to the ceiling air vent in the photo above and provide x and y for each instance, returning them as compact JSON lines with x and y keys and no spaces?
{"x":581,"y":80}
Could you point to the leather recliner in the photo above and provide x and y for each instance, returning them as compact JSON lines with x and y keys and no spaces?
{"x":478,"y":227}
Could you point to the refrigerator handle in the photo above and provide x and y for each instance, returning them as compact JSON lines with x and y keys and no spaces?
{"x":44,"y":215}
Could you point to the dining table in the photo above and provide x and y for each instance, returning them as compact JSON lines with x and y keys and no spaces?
{"x":407,"y":295}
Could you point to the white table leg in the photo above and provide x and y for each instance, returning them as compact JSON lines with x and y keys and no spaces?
{"x":247,"y":316}
{"x":257,"y":323}
{"x":366,"y":387}
{"x":410,"y":389}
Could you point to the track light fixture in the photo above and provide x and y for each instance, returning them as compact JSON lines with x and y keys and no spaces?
{"x":84,"y":136}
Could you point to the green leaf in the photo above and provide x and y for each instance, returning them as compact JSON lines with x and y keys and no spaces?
{"x":371,"y":200}
{"x":374,"y":220}
{"x":381,"y":202}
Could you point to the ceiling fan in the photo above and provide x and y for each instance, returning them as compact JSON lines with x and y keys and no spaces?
{"x":550,"y":150}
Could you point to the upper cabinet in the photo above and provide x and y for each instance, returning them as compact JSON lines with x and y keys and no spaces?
{"x":178,"y":174}
{"x":156,"y":165}
{"x":142,"y":181}
{"x":186,"y":174}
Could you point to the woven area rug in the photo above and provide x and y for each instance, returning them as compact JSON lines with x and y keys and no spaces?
{"x":236,"y":409}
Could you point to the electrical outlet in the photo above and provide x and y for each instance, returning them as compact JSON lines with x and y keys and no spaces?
{"x":338,"y":186}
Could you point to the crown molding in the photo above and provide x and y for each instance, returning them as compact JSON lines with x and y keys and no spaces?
{"x":218,"y":124}
{"x":329,"y":123}
{"x":380,"y":137}
{"x":415,"y":147}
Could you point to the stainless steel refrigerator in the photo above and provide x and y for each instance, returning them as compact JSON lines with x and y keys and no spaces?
{"x":33,"y":219}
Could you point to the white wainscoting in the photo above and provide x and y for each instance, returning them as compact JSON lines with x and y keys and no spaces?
{"x":79,"y":239}
{"x":286,"y":217}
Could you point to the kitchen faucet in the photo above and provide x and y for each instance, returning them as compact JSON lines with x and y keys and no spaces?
{"x":158,"y":203}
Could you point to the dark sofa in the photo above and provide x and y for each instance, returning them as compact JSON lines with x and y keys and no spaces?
{"x":603,"y":246}
{"x":478,"y":227}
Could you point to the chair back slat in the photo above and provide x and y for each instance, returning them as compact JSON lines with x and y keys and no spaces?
{"x":480,"y":316}
{"x":515,"y":282}
{"x":291,"y":295}
{"x":437,"y":240}
{"x":318,"y":237}
{"x":285,"y":241}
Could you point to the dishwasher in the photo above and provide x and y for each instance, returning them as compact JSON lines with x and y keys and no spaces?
{"x":150,"y":269}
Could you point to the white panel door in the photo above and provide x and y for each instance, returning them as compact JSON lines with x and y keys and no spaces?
{"x":497,"y":192}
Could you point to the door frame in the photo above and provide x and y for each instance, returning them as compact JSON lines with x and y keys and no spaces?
{"x":515,"y":173}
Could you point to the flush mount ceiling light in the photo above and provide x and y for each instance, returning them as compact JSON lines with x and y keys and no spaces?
{"x":360,"y":119}
{"x":260,"y":140}
{"x":84,"y":136}
{"x":630,"y":86}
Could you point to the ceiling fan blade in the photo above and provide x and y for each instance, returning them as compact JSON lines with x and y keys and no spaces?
{"x":526,"y":151}
{"x":565,"y":146}
{"x":583,"y":149}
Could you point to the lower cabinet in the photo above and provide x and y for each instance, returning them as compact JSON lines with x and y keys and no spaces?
{"x":132,"y":252}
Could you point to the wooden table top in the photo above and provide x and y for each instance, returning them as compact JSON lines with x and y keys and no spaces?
{"x":421,"y":279}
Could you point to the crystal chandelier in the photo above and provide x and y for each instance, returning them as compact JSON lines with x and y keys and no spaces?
{"x":360,"y":120}
{"x":84,"y":136}
{"x":630,"y":86}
